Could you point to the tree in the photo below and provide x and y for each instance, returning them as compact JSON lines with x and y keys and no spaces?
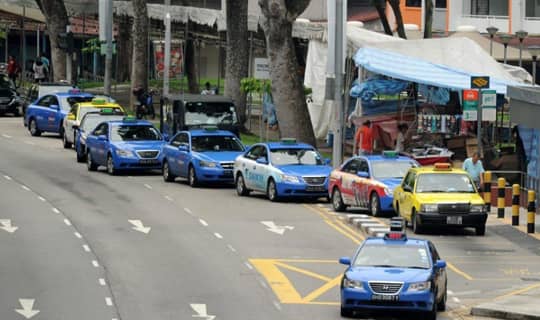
{"x":192,"y":63}
{"x":139,"y":61}
{"x":380,"y":7}
{"x":399,"y":18}
{"x":287,"y":89}
{"x":56,"y":19}
{"x":428,"y":19}
{"x":237,"y":56}
{"x":123,"y":46}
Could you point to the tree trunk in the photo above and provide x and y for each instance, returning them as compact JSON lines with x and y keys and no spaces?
{"x":124,"y":47}
{"x":56,"y":19}
{"x":237,"y":56}
{"x":428,"y":19}
{"x":139,"y":66}
{"x":399,"y":18}
{"x":192,"y":65}
{"x":287,"y":88}
{"x":379,"y":6}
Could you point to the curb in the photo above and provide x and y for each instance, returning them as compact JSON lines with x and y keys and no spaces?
{"x":487,"y":310}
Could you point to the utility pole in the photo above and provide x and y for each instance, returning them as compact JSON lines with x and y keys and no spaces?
{"x":167,"y":53}
{"x":69,"y":58}
{"x":105,"y":35}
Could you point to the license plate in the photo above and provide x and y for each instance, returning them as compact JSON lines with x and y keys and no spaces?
{"x":148,"y":161}
{"x":454,"y":220}
{"x":383,"y":297}
{"x":315,"y":188}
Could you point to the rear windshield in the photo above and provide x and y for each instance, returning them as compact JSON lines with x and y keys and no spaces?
{"x":212,"y":113}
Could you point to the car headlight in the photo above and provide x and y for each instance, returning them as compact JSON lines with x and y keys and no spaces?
{"x":477,"y":208}
{"x":208,"y":164}
{"x":354,"y":284}
{"x":420,"y":286}
{"x":288,"y":178}
{"x":124,"y":153}
{"x":429,"y":208}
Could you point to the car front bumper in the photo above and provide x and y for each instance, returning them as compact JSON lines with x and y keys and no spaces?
{"x":467,"y":220}
{"x":206,"y":174}
{"x":121,"y":163}
{"x":361,"y":299}
{"x":286,"y":189}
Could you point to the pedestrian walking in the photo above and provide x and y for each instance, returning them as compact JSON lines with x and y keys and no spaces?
{"x":46,"y":65}
{"x":474,"y":168}
{"x":13,"y":70}
{"x":363,"y":140}
{"x":39,"y":71}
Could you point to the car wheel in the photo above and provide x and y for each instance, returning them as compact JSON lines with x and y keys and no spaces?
{"x":32,"y":126}
{"x":346,"y":312}
{"x":110,"y":166}
{"x":90,"y":164}
{"x":80,"y":155}
{"x":192,"y":177}
{"x":241,"y":189}
{"x":271,"y":191}
{"x":67,"y":144}
{"x":337,"y":201}
{"x":416,"y":225}
{"x":167,"y":175}
{"x":432,"y":315}
{"x":441,"y":305}
{"x":480,"y":230}
{"x":375,"y":205}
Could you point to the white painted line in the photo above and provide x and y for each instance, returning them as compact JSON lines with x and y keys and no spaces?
{"x":249,"y":266}
{"x":102,"y":282}
{"x":95,"y":263}
{"x":320,"y":205}
{"x":218,"y":235}
{"x":8,"y":178}
{"x":41,"y":198}
{"x":169,"y":198}
{"x":263,"y":284}
{"x":86,"y":248}
{"x":67,"y":222}
{"x":78,"y":235}
{"x":456,"y":299}
{"x":231,"y":248}
{"x":277,"y":305}
{"x":450,"y":292}
{"x":147,"y":186}
{"x":29,"y":142}
{"x":25,"y":187}
{"x":188,"y":210}
{"x":6,"y":136}
{"x":55,"y":210}
{"x":204,"y":223}
{"x":108,"y":301}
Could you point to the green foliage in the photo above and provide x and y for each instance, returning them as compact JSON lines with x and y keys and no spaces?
{"x":92,"y":45}
{"x":252,"y":85}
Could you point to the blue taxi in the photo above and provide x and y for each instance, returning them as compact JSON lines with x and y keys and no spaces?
{"x":282,"y":169}
{"x":48,"y":112}
{"x":202,"y":155}
{"x":123,"y":145}
{"x":394,"y":273}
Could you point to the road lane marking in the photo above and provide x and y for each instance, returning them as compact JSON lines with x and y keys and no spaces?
{"x":6,"y":136}
{"x":204,"y":223}
{"x":42,"y":199}
{"x":458,"y":271}
{"x":8,"y":178}
{"x":218,"y":235}
{"x":55,"y":210}
{"x":231,"y":248}
{"x":139,"y":226}
{"x":169,"y":198}
{"x":303,"y":271}
{"x":520,"y":291}
{"x":95,"y":263}
{"x":25,"y":187}
{"x":201,"y":310}
{"x":147,"y":186}
{"x":78,"y":235}
{"x":27,"y":310}
{"x":86,"y":248}
{"x":248,"y":265}
{"x":280,"y":284}
{"x":320,"y":291}
{"x":277,"y":305}
{"x":188,"y":211}
{"x":6,"y":226}
{"x":102,"y":282}
{"x":263,"y":284}
{"x":67,"y":222}
{"x":108,"y":301}
{"x":272,"y":227}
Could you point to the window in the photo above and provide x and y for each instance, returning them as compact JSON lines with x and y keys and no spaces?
{"x":441,"y":4}
{"x":364,"y":167}
{"x":134,"y":133}
{"x":532,"y":8}
{"x":256,"y":152}
{"x":375,"y":255}
{"x":444,"y":183}
{"x":102,"y":129}
{"x":409,"y":180}
{"x":413,"y":3}
{"x":180,"y":139}
{"x":210,"y":113}
{"x":45,"y":101}
{"x":489,"y":7}
{"x":352,"y":166}
{"x":295,"y":156}
{"x":391,"y":169}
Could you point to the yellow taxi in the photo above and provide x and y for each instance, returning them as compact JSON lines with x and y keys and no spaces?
{"x":440,"y":196}
{"x":77,"y":112}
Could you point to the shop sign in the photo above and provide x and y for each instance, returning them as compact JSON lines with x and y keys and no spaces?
{"x":480,"y":82}
{"x":470,"y":105}
{"x":489,"y":105}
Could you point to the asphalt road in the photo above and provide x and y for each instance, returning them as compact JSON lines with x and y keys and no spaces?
{"x":83,"y":248}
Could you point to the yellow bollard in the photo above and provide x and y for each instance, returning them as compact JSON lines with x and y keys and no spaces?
{"x":531,"y":211}
{"x":487,"y":190}
{"x":515,"y":204}
{"x":501,"y":184}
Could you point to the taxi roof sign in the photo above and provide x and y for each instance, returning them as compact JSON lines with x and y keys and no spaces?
{"x":129,"y":119}
{"x":288,"y":141}
{"x":442,"y":167}
{"x":98,"y":101}
{"x":106,"y":111}
{"x":210,"y":128}
{"x":390,"y":154}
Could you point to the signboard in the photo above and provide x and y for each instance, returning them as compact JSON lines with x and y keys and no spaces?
{"x":480,"y":82}
{"x":261,"y":68}
{"x":177,"y":62}
{"x":470,"y":105}
{"x":489,"y":105}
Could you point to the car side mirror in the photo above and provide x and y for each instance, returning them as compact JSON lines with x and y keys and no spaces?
{"x":407,"y":189}
{"x":102,"y":137}
{"x":440,"y":264}
{"x":345,"y":260}
{"x":54,"y":106}
{"x":262,"y":160}
{"x":183,"y":148}
{"x":165,"y":137}
{"x":71,"y":116}
{"x":362,"y":174}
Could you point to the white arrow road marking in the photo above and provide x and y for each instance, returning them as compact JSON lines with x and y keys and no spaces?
{"x":200,"y":308}
{"x":272,"y":227}
{"x":6,"y":226}
{"x":138,"y":226}
{"x":27,"y":308}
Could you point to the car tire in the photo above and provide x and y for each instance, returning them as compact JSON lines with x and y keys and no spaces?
{"x":480,"y":230}
{"x":33,"y":128}
{"x":346,"y":312}
{"x":416,"y":225}
{"x":90,"y":164}
{"x":271,"y":191}
{"x":441,"y":305}
{"x":192,"y":177}
{"x":337,"y":201}
{"x":166,"y":171}
{"x":81,"y":157}
{"x":67,"y":145}
{"x":375,"y":205}
{"x":241,"y":189}
{"x":432,"y":315}
{"x":110,"y":166}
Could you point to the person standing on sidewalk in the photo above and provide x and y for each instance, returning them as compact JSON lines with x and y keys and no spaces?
{"x":13,"y":70}
{"x":475,"y":169}
{"x":363,"y":140}
{"x":39,"y":71}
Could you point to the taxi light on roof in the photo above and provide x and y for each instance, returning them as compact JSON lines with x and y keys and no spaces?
{"x":74,"y":91}
{"x":106,"y":111}
{"x":288,"y":141}
{"x":443,"y":167}
{"x":390,"y":154}
{"x":395,"y":236}
{"x":98,"y":101}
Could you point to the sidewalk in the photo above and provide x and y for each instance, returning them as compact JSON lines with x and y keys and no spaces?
{"x":518,"y":305}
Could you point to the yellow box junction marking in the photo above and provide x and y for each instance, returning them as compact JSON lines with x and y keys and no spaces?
{"x":271,"y":270}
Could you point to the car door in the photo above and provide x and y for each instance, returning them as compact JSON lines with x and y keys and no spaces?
{"x":68,"y":124}
{"x":170,"y":154}
{"x":183,"y":156}
{"x":348,"y":176}
{"x":405,"y":196}
{"x":41,"y":111}
{"x":361,"y":184}
{"x":53,"y":114}
{"x":99,"y":152}
{"x":261,"y":171}
{"x":249,"y":166}
{"x":438,"y":273}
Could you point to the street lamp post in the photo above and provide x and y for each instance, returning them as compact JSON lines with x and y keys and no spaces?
{"x":492,"y":31}
{"x":534,"y":51}
{"x":167,"y":49}
{"x":521,"y":35}
{"x":505,"y":39}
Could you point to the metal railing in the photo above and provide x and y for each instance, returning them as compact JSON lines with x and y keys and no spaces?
{"x":484,"y":16}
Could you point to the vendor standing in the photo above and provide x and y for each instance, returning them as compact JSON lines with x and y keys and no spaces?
{"x":363,"y":140}
{"x":474,"y":168}
{"x":400,"y":140}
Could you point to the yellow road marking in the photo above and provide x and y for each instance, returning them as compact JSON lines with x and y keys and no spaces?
{"x":303,"y":271}
{"x":354,"y":232}
{"x":355,"y":238}
{"x":279,"y":283}
{"x":327,"y":286}
{"x":516,"y":292}
{"x":305,"y":260}
{"x":323,"y":303}
{"x":458,"y":271}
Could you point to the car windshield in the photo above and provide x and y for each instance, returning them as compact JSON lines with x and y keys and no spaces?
{"x":210,"y":113}
{"x":378,"y":255}
{"x":295,"y":156}
{"x":90,"y":122}
{"x":134,"y":133}
{"x":391,"y":169}
{"x":216,"y":143}
{"x":67,"y":102}
{"x":444,"y":182}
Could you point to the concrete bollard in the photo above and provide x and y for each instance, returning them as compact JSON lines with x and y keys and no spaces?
{"x":531,"y":211}
{"x":501,"y":184}
{"x":515,"y":204}
{"x":487,"y":190}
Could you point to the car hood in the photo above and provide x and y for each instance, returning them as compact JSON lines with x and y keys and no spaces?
{"x":473,"y":198}
{"x":305,"y":170}
{"x":139,"y":145}
{"x":391,"y":183}
{"x":218,"y":156}
{"x":387,"y":274}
